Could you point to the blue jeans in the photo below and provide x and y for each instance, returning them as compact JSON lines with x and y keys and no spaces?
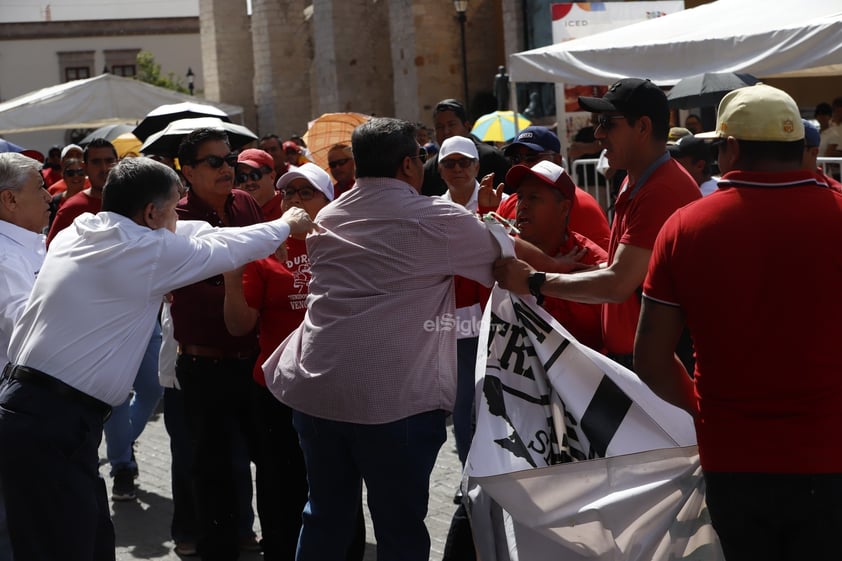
{"x":129,"y":418}
{"x":395,"y":461}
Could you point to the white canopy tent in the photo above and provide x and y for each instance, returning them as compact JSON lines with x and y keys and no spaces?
{"x":91,"y":103}
{"x":765,"y":38}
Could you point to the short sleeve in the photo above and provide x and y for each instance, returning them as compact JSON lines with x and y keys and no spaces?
{"x":659,"y":284}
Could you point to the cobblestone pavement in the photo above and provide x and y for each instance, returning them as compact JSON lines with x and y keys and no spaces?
{"x":142,"y":526}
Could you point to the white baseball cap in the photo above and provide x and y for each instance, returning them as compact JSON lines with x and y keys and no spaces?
{"x":458,"y":145}
{"x":316,"y":176}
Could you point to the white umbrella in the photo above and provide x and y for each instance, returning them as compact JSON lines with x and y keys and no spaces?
{"x":157,"y":119}
{"x":166,"y":142}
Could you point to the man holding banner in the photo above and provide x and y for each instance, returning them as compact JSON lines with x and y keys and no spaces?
{"x":632,"y":126}
{"x":767,"y":386}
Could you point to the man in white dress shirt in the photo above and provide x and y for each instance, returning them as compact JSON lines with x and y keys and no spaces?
{"x":79,"y":341}
{"x":23,"y":200}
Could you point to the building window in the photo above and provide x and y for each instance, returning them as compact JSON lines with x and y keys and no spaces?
{"x":75,"y":65}
{"x":121,"y":62}
{"x":125,"y":70}
{"x":76,"y":73}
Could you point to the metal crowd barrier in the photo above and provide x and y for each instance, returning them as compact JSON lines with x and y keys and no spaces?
{"x":589,"y":181}
{"x":831,"y":166}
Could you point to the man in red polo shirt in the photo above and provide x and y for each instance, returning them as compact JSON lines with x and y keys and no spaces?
{"x":767,"y":387}
{"x":633,"y":124}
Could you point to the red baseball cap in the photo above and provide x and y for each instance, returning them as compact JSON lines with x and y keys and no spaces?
{"x":256,"y":158}
{"x":552,"y":175}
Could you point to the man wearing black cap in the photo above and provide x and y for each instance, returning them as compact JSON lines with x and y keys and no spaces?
{"x":695,"y":155}
{"x":451,"y":119}
{"x":632,"y":126}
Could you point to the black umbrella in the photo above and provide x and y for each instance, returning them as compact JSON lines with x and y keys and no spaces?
{"x":158,"y":119}
{"x":108,"y":132}
{"x":166,"y":142}
{"x":706,"y":90}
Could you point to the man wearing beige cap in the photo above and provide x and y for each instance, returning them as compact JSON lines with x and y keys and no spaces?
{"x":767,"y":387}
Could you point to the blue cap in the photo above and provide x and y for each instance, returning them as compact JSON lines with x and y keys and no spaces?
{"x":812,"y":136}
{"x":540,"y":139}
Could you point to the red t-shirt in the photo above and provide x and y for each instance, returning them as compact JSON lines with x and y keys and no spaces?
{"x":581,"y":320}
{"x":754,"y":269}
{"x":586,"y":217}
{"x":78,"y":204}
{"x":639,"y":214}
{"x":272,"y":209}
{"x":278,"y":290}
{"x":60,"y":186}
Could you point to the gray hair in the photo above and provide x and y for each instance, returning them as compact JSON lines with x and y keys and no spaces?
{"x":15,"y":170}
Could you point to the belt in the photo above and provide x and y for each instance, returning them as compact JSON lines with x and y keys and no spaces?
{"x":54,"y":385}
{"x":213,"y":352}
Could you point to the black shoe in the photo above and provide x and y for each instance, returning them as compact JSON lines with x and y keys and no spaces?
{"x":457,"y":498}
{"x":123,"y":489}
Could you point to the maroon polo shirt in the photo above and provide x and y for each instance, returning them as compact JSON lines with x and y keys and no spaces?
{"x":197,"y":309}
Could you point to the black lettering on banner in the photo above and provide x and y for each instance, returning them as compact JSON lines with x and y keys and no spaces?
{"x":493,"y":390}
{"x":556,"y":354}
{"x":531,"y":321}
{"x":517,"y":347}
{"x":602,"y":418}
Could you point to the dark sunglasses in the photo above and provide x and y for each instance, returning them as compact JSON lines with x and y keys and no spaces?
{"x":304,"y":193}
{"x":216,"y":162}
{"x":253,"y":175}
{"x":606,"y":121}
{"x":337,"y":163}
{"x":463,"y":163}
{"x":74,"y":172}
{"x":529,"y":158}
{"x":422,"y":155}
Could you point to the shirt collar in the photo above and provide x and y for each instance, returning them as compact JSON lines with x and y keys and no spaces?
{"x":794,"y":178}
{"x":473,"y":202}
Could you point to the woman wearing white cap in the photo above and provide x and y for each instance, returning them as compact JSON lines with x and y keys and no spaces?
{"x":270,"y":294}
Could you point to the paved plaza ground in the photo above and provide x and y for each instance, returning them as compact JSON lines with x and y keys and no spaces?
{"x":142,"y":526}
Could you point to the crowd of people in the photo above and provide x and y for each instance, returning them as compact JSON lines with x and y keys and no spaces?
{"x":282,"y":311}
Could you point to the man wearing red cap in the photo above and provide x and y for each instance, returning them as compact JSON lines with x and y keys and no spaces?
{"x":633,"y":125}
{"x":256,"y":176}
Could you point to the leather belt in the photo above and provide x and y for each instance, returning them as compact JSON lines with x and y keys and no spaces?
{"x":35,"y":377}
{"x":213,"y":352}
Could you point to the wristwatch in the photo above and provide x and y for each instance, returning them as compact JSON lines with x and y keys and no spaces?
{"x":535,"y":281}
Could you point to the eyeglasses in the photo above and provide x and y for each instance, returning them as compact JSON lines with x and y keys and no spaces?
{"x":216,"y":161}
{"x":528,"y":158}
{"x":74,"y":172}
{"x":254,"y":175}
{"x":337,"y":163}
{"x":463,"y":163}
{"x":304,"y":193}
{"x":422,"y":155}
{"x":605,"y":121}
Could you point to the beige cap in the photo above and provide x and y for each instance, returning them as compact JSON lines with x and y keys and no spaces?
{"x":677,"y":133}
{"x":758,"y":113}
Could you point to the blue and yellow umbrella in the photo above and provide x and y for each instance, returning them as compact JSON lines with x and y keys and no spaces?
{"x":499,"y":126}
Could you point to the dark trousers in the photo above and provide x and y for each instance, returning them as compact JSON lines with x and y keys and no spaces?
{"x":395,"y":460}
{"x":56,"y":503}
{"x":776,"y":517}
{"x":217,"y":404}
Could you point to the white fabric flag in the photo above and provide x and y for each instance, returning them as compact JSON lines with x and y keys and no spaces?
{"x":573,"y":456}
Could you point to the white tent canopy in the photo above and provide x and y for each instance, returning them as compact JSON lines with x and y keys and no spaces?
{"x":765,"y":38}
{"x":91,"y":103}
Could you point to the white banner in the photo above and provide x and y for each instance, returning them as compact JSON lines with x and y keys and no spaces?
{"x":573,"y":456}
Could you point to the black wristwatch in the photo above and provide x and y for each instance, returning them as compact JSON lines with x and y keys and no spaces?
{"x":535,"y":281}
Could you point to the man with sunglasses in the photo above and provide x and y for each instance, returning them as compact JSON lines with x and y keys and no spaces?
{"x":450,"y":120}
{"x":340,"y":160}
{"x":255,"y":174}
{"x":632,"y":126}
{"x":213,"y":367}
{"x":537,"y":144}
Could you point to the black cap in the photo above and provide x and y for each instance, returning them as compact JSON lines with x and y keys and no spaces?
{"x":691,"y":146}
{"x":633,"y":97}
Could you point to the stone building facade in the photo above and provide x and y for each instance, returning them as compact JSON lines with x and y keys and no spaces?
{"x":293,"y":60}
